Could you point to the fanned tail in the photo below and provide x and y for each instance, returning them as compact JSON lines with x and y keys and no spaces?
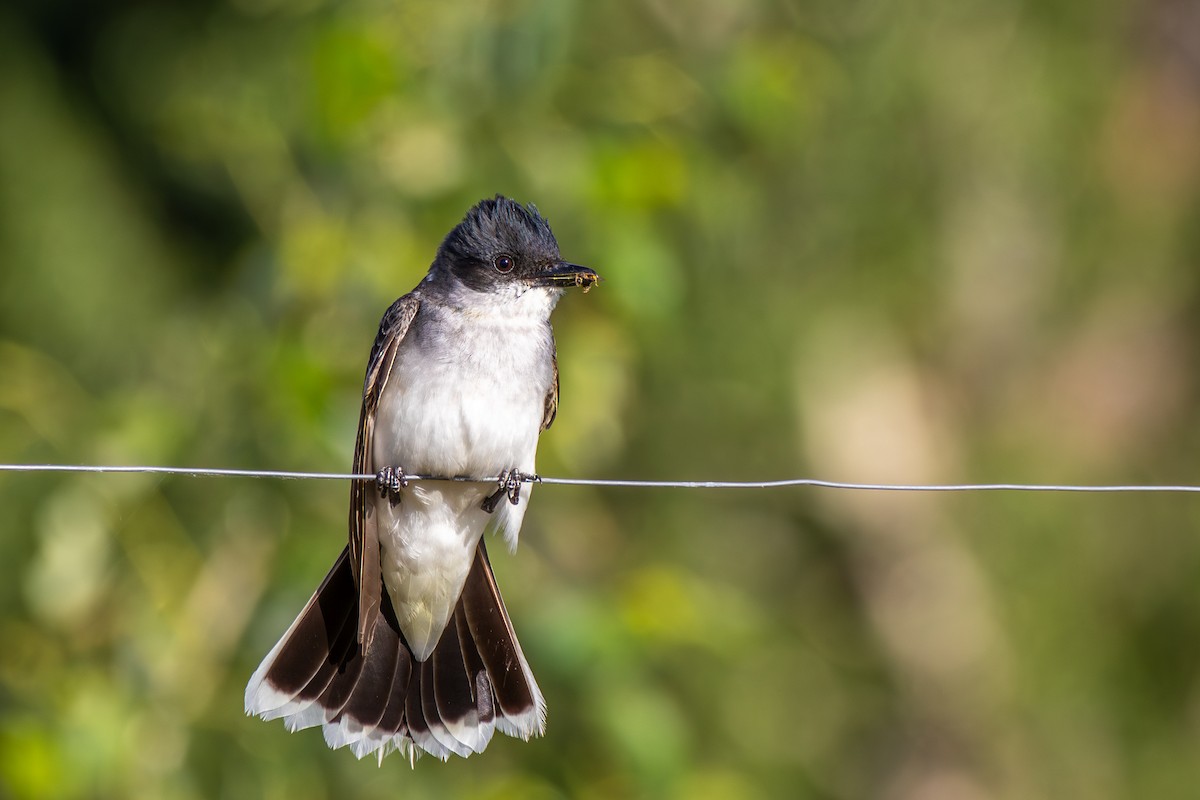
{"x":475,"y":682}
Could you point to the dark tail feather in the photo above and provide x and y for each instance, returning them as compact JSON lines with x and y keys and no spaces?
{"x":520,"y":709}
{"x":475,"y":681}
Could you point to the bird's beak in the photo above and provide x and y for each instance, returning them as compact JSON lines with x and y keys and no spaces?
{"x":564,"y":274}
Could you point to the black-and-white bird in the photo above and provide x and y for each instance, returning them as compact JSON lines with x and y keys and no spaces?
{"x":406,"y":645}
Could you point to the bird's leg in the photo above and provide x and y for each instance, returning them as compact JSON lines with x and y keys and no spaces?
{"x":389,"y":481}
{"x":510,"y":487}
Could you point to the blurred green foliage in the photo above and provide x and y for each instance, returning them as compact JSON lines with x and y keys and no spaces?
{"x":875,"y":241}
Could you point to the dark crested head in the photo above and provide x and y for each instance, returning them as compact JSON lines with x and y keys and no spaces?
{"x":501,"y":243}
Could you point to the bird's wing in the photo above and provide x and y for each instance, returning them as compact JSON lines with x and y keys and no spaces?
{"x":551,"y":406}
{"x":364,"y":533}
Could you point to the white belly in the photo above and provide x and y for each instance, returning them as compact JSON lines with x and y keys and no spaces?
{"x":427,"y":543}
{"x":468,"y":412}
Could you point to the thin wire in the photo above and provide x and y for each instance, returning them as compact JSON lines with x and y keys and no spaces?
{"x":878,"y":487}
{"x":632,"y":484}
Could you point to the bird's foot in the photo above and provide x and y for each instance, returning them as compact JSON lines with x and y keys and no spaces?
{"x":510,"y":487}
{"x":389,"y":481}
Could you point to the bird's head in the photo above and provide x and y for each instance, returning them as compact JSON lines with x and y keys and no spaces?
{"x":504,"y":249}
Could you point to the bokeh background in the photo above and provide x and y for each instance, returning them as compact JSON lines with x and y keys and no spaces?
{"x":947,"y":240}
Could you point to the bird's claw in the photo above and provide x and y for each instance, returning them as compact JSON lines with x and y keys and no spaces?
{"x":390,"y":480}
{"x":509,"y":486}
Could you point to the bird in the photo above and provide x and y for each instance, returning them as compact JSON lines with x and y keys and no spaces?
{"x":406,"y":646}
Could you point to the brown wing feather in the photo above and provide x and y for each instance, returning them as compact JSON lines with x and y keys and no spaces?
{"x":551,"y":407}
{"x":364,"y":538}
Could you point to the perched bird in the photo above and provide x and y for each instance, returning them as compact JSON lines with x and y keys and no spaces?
{"x":406,"y":645}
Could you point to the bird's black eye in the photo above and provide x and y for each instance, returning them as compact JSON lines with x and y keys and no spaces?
{"x":503,"y":263}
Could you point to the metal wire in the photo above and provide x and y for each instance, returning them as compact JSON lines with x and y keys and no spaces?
{"x":616,"y":483}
